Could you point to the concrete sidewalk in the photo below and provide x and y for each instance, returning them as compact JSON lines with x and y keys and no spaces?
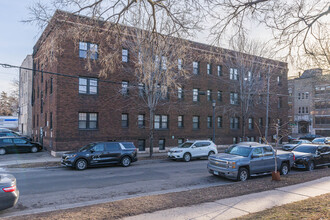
{"x":238,"y":206}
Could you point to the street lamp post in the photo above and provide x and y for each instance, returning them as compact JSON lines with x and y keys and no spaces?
{"x":213,"y":106}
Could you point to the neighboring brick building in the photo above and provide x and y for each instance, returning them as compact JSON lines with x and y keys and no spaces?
{"x":25,"y":95}
{"x":69,"y":112}
{"x":310,"y":101}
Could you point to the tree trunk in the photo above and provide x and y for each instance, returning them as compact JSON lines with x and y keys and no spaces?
{"x":267,"y":106}
{"x":151,"y":131}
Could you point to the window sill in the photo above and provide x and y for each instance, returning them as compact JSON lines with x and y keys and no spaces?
{"x":88,"y":129}
{"x":161,"y":129}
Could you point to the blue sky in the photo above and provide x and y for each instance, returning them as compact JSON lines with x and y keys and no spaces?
{"x":16,"y":39}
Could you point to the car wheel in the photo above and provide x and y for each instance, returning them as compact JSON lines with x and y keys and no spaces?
{"x":2,"y":151}
{"x":211,"y":153}
{"x":310,"y":166}
{"x":126,"y":161}
{"x":187,"y":157}
{"x":34,"y":149}
{"x":243,"y":174}
{"x":284,"y":169}
{"x":81,"y":164}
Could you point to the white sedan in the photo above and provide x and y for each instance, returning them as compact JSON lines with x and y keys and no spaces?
{"x":193,"y":149}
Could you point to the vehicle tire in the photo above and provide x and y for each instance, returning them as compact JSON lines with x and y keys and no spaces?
{"x":34,"y":149}
{"x":186,"y":157}
{"x":126,"y":161}
{"x":2,"y":151}
{"x":243,"y":174}
{"x":81,"y":164}
{"x":211,"y":153}
{"x":284,"y":169}
{"x":310,"y":166}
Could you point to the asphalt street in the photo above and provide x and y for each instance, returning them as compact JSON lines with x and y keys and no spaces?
{"x":49,"y":187}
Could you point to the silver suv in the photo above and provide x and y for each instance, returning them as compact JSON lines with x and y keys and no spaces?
{"x":193,"y":149}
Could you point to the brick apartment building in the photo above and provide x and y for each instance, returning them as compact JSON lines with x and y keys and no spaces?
{"x":69,"y":112}
{"x":309,"y":102}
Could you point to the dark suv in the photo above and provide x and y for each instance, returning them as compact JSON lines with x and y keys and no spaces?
{"x":101,"y":153}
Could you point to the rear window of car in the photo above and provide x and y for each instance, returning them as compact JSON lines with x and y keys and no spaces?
{"x":128,"y":145}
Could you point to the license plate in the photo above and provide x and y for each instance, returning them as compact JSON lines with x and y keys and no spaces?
{"x":216,"y":172}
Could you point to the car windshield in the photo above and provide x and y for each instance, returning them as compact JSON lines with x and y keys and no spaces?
{"x":186,"y":145}
{"x":87,"y":147}
{"x":239,"y":150}
{"x":305,"y":149}
{"x":318,"y":140}
{"x":295,"y":142}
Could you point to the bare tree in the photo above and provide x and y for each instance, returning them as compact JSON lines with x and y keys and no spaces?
{"x":299,"y":27}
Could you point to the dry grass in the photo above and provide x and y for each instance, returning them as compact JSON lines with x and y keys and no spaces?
{"x":313,"y":208}
{"x":147,"y":204}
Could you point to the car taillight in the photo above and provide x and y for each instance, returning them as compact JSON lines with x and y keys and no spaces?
{"x":294,"y":157}
{"x":9,"y":189}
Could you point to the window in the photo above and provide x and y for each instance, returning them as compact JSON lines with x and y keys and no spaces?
{"x":261,"y":123}
{"x":234,"y":140}
{"x":307,"y":95}
{"x":195,"y":122}
{"x":279,"y":122}
{"x":19,"y":141}
{"x":219,"y":122}
{"x":233,"y":74}
{"x":141,"y":89}
{"x":180,"y":93}
{"x":161,"y":121}
{"x":209,"y":95}
{"x":234,"y":123}
{"x":279,"y":80}
{"x":234,"y":98}
{"x":164,"y":62}
{"x":141,"y":121}
{"x":298,"y":95}
{"x":51,"y":86}
{"x":161,"y":144}
{"x":142,"y":144}
{"x":279,"y":102}
{"x":180,"y":121}
{"x":51,"y":120}
{"x":303,"y":110}
{"x":209,"y":68}
{"x":124,"y":55}
{"x":124,"y":88}
{"x":88,"y":50}
{"x":307,"y":110}
{"x":180,"y":141}
{"x":322,"y":120}
{"x":249,"y":78}
{"x":209,"y":121}
{"x":88,"y":120}
{"x":260,"y":99}
{"x":88,"y":86}
{"x":45,"y":119}
{"x":196,"y":67}
{"x":251,"y":125}
{"x":98,"y":148}
{"x":195,"y":95}
{"x":219,"y":70}
{"x":303,"y":95}
{"x":124,"y":120}
{"x":179,"y":64}
{"x":299,"y":111}
{"x":257,"y":152}
{"x":220,"y":96}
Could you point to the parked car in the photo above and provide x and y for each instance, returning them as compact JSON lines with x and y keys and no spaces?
{"x":246,"y":159}
{"x":101,"y":153}
{"x":18,"y":145}
{"x":10,"y":133}
{"x":193,"y":149}
{"x":309,"y":156}
{"x":8,"y":191}
{"x":290,"y":138}
{"x":323,"y":140}
{"x":310,"y":137}
{"x":290,"y":146}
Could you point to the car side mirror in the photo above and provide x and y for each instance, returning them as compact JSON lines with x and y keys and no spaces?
{"x":226,"y":151}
